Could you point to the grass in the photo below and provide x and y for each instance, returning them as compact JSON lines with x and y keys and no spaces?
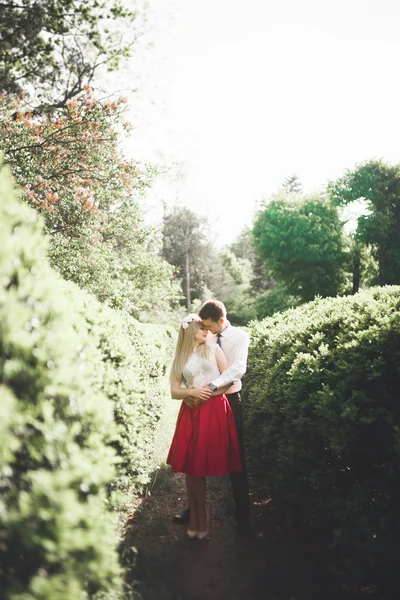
{"x":165,"y":431}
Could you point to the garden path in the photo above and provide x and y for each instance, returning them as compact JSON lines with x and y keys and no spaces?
{"x":276,"y":563}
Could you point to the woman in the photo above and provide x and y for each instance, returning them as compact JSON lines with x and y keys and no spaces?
{"x":205,"y":441}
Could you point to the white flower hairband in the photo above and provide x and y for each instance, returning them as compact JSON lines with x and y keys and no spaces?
{"x":189,"y":319}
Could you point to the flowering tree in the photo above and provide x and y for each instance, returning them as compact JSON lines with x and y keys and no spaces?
{"x":70,"y":167}
{"x":67,"y":160}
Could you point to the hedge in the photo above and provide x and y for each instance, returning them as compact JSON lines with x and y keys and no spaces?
{"x":80,"y":389}
{"x":323,"y":420}
{"x":133,"y":374}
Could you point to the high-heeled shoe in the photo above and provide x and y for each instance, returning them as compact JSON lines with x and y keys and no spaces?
{"x":191,"y":534}
{"x":204,"y":535}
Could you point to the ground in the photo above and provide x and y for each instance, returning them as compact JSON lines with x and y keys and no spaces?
{"x":277,"y":563}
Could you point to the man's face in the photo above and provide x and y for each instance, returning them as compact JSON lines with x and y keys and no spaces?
{"x":212,"y":326}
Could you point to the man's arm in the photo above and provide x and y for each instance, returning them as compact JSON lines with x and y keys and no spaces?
{"x":239,"y":364}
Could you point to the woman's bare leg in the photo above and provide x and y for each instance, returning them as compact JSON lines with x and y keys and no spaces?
{"x":198,"y":488}
{"x":192,"y":525}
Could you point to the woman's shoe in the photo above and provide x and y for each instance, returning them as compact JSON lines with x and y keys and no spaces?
{"x":204,"y":535}
{"x":191,"y":534}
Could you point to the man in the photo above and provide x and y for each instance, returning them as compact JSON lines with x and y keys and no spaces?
{"x":235,"y":344}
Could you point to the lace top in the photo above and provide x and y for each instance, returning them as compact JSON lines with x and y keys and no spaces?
{"x":200,"y":371}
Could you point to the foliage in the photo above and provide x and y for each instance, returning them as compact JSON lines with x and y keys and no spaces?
{"x":237,"y":294}
{"x":186,"y":245}
{"x":292,"y":185}
{"x":81,"y":387}
{"x":212,"y":272}
{"x":56,"y":539}
{"x":276,"y":299}
{"x":244,"y":247}
{"x":323,"y":421}
{"x":72,"y":170}
{"x":133,"y":374}
{"x":376,"y":185}
{"x":54,"y":47}
{"x":301,"y":242}
{"x":235,"y":275}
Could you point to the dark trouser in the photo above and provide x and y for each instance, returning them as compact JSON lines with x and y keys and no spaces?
{"x":239,"y":481}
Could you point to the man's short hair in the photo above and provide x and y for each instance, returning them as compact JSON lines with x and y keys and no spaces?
{"x":212,"y":309}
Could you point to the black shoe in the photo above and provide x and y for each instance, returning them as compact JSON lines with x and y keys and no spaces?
{"x":244,"y":528}
{"x":183,"y":518}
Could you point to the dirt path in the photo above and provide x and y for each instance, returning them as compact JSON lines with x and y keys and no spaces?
{"x":276,"y":564}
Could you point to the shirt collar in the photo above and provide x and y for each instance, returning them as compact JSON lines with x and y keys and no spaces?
{"x":226,"y":332}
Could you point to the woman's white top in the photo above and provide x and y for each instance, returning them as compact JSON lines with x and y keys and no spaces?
{"x":199,"y":371}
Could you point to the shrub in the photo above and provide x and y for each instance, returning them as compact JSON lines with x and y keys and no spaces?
{"x":56,"y":539}
{"x":132,"y":373}
{"x":276,"y":299}
{"x":80,"y":387}
{"x":323,"y":417}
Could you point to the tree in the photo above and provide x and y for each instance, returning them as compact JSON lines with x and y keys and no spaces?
{"x":71,"y":169}
{"x":202,"y":269}
{"x":237,"y":294}
{"x":244,"y":247}
{"x":187,"y":246}
{"x":377,"y":185}
{"x":54,"y":47}
{"x":275,"y":300}
{"x":292,"y":185}
{"x":302,"y":244}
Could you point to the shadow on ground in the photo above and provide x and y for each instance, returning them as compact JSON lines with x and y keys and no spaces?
{"x":275,"y":564}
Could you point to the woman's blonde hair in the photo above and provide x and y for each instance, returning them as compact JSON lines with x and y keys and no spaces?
{"x":185,"y":346}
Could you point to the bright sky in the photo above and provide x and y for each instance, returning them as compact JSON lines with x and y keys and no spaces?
{"x":242,"y":93}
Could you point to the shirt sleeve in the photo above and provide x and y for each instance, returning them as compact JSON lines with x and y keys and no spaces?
{"x":237,"y":368}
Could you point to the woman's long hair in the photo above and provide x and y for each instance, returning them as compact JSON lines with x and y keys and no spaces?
{"x":184,"y":348}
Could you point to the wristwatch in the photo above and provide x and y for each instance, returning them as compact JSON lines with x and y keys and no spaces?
{"x":212,"y":387}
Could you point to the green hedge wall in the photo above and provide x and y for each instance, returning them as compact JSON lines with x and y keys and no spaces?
{"x":133,"y":374}
{"x":323,"y":420}
{"x":80,"y":395}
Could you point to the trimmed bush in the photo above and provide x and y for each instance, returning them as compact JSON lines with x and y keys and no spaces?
{"x":56,"y":539}
{"x":323,"y":417}
{"x":132,"y":373}
{"x":80,"y":397}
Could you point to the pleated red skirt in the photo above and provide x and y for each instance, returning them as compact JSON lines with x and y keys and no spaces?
{"x":205,"y":441}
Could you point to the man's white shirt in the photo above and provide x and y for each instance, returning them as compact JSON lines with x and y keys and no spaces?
{"x":235,"y":345}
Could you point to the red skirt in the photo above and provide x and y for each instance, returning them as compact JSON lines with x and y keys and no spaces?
{"x":205,"y":440}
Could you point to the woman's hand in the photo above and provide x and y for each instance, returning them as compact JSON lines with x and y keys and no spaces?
{"x":197,"y":396}
{"x":191,"y":397}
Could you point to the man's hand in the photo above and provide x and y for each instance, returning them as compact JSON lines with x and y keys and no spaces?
{"x":202,"y":394}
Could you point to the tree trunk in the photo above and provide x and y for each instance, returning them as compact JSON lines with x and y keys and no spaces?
{"x":187,"y":279}
{"x":356,"y":269}
{"x":382,"y":266}
{"x":381,"y":244}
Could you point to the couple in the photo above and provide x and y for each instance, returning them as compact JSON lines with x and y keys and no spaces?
{"x":208,"y":438}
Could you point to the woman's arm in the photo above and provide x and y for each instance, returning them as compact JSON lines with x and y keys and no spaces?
{"x":189,"y":395}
